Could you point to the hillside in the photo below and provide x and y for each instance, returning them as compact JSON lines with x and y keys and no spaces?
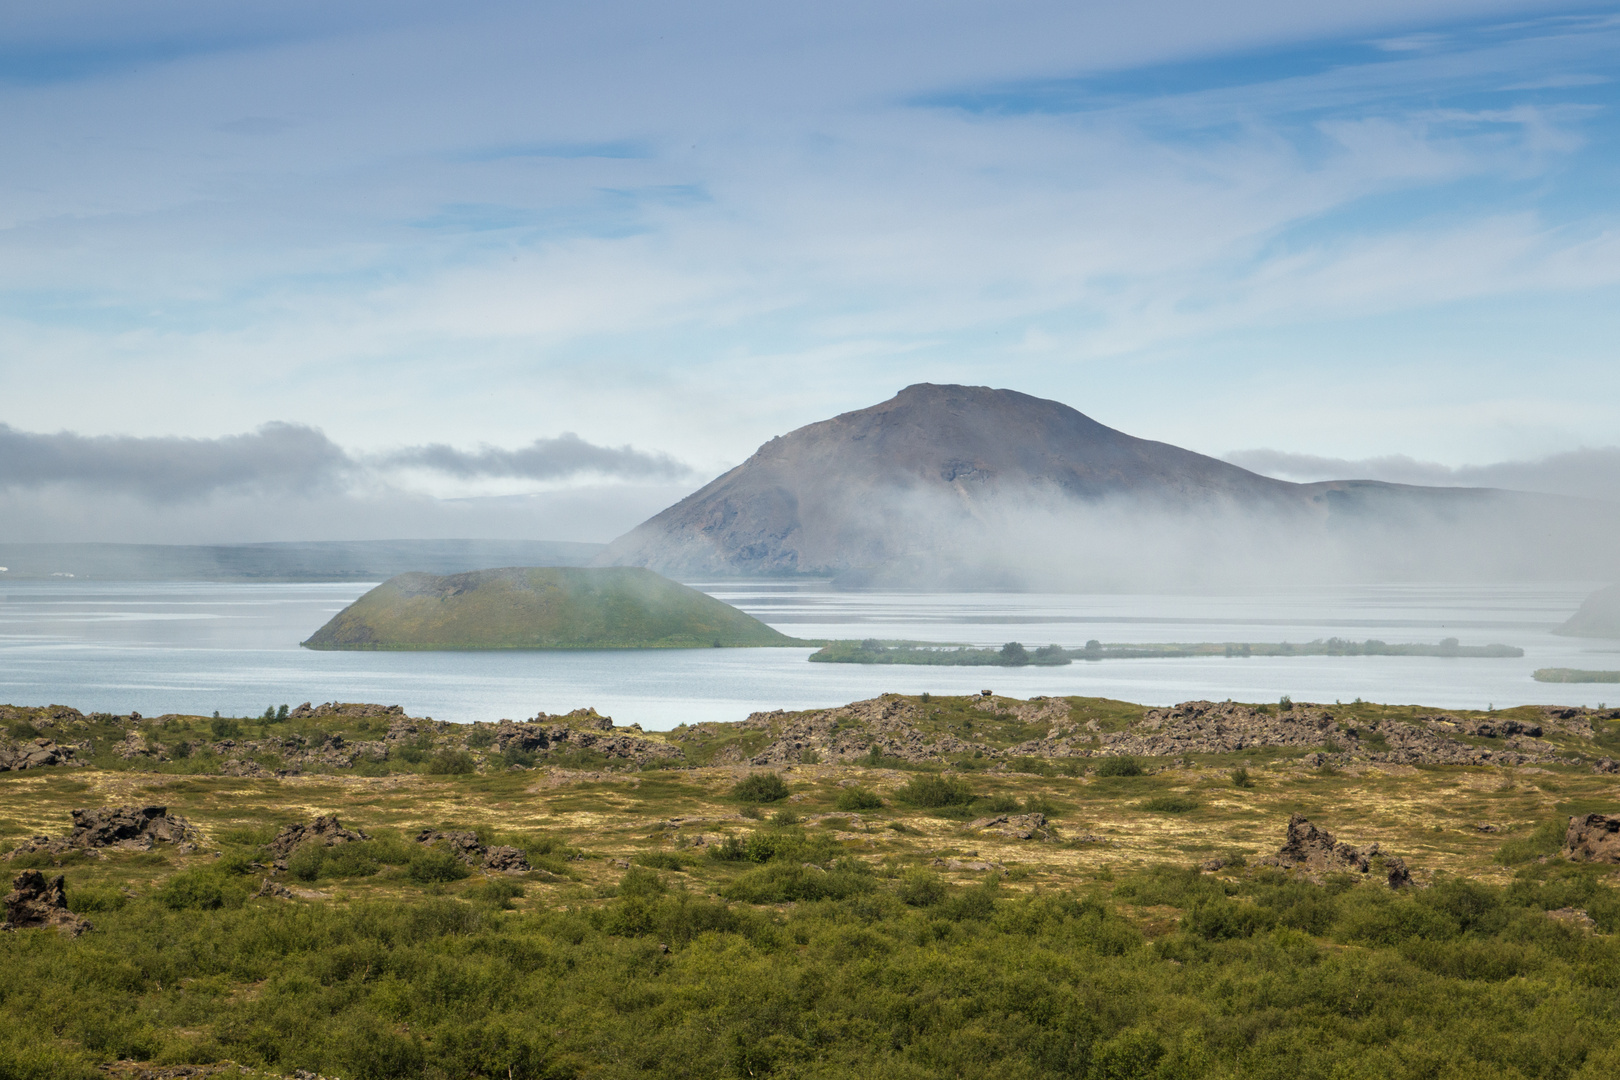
{"x":540,"y":608}
{"x":1598,"y":617}
{"x":973,"y":487}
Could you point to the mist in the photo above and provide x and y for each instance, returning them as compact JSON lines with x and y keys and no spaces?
{"x":1586,"y":473}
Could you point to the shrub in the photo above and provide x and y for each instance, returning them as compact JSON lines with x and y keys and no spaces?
{"x":480,"y":737}
{"x":932,"y":790}
{"x":96,"y":898}
{"x":781,"y":883}
{"x":857,"y":798}
{"x":1014,"y":654}
{"x":1124,"y":765}
{"x":732,"y":849}
{"x":347,"y":860}
{"x":921,"y":888}
{"x":1547,"y":839}
{"x":659,"y":860}
{"x":306,"y":861}
{"x":201,"y":889}
{"x":497,"y":892}
{"x":516,"y":755}
{"x":221,"y":728}
{"x":641,"y":881}
{"x":760,"y":787}
{"x":430,"y":866}
{"x":1241,"y":778}
{"x":452,"y":763}
{"x":1170,"y":804}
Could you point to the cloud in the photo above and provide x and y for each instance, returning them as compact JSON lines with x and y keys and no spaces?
{"x":291,"y":460}
{"x":1589,"y":473}
{"x":556,"y":458}
{"x":278,"y":457}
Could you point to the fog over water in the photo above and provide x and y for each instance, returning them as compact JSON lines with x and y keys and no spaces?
{"x":198,"y":647}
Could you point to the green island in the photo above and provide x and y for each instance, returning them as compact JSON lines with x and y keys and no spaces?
{"x":1015,"y":654}
{"x":1575,"y":675}
{"x":548,"y":607}
{"x":912,"y":886}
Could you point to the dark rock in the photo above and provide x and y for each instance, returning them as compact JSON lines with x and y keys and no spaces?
{"x":34,"y":754}
{"x":128,"y":827}
{"x":1593,"y":838}
{"x":325,"y":831}
{"x":1015,"y":826}
{"x":274,"y":890}
{"x":1314,"y":851}
{"x":1608,"y":766}
{"x":37,"y":903}
{"x":465,"y":846}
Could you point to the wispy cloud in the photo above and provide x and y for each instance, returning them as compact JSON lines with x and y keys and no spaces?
{"x":293,"y":460}
{"x":1589,"y":473}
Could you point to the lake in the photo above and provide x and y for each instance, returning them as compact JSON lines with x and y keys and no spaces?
{"x":197,"y":647}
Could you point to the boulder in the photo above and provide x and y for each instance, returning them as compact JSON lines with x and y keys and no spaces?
{"x":128,"y":827}
{"x":34,"y":754}
{"x":1593,"y":838}
{"x":1313,"y":850}
{"x":39,"y":903}
{"x":325,"y":830}
{"x":1015,"y":826}
{"x":499,"y":858}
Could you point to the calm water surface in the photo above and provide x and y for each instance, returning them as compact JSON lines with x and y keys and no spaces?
{"x":198,"y":647}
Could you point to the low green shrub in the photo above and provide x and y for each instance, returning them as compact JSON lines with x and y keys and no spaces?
{"x":429,"y":866}
{"x":760,"y":787}
{"x":659,"y":860}
{"x":1124,"y":765}
{"x":1170,"y":804}
{"x":452,"y":763}
{"x":852,"y":799}
{"x":934,"y":791}
{"x":201,"y":889}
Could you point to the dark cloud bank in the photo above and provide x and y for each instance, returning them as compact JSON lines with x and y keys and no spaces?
{"x":290,"y":459}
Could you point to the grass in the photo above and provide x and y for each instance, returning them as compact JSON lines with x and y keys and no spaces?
{"x":540,"y":608}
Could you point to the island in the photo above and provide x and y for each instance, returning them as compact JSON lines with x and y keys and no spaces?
{"x":1014,"y":654}
{"x":1598,"y":617}
{"x":545,"y":607}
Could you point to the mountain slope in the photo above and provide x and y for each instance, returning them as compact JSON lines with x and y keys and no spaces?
{"x":539,"y":608}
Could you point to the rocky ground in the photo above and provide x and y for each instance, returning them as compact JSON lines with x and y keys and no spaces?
{"x":983,"y":731}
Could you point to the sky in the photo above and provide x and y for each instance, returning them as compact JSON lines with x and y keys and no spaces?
{"x":299,"y":270}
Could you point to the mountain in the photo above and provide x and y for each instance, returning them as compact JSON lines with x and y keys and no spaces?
{"x":968,"y":486}
{"x":540,"y":608}
{"x":1598,"y":617}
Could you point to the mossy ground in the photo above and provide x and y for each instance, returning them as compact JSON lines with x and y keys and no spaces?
{"x":802,"y":941}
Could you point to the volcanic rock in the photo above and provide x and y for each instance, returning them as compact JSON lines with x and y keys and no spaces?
{"x":1314,"y":851}
{"x":325,"y":831}
{"x":36,"y":902}
{"x":128,"y":827}
{"x":499,"y":858}
{"x":34,"y":754}
{"x":1015,"y":826}
{"x":1593,"y":838}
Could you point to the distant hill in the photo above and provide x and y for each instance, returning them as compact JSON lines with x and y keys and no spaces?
{"x":540,"y":608}
{"x":968,"y":486}
{"x":332,"y":560}
{"x":1598,"y":617}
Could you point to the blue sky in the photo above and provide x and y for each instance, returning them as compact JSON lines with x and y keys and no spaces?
{"x":1360,"y":232}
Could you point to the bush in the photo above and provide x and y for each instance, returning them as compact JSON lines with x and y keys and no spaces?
{"x":659,"y":860}
{"x":1170,"y":804}
{"x":760,"y":787}
{"x":516,"y":755}
{"x":781,"y":883}
{"x":784,"y":817}
{"x":202,"y":889}
{"x":1547,"y":839}
{"x":932,"y":790}
{"x":1241,"y":778}
{"x":921,"y":888}
{"x":857,"y":798}
{"x":306,"y":861}
{"x":96,"y":898}
{"x":430,"y":866}
{"x":1123,"y":765}
{"x":480,"y":737}
{"x":497,"y":892}
{"x":452,"y":763}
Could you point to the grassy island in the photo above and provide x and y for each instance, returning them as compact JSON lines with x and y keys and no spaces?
{"x":548,"y":607}
{"x":1014,"y":654}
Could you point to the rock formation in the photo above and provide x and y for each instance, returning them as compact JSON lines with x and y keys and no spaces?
{"x":498,"y":858}
{"x":324,"y":831}
{"x":1314,"y":851}
{"x":38,"y":902}
{"x":1593,"y":838}
{"x":134,"y":828}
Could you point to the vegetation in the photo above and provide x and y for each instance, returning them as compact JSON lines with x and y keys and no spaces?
{"x":1014,"y":654}
{"x":760,"y":787}
{"x":540,"y":608}
{"x":1575,"y":675}
{"x":860,"y":929}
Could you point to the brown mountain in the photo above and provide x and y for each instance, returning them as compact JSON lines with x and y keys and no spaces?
{"x":968,"y":485}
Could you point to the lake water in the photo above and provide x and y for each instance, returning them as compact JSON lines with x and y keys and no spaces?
{"x":198,"y":647}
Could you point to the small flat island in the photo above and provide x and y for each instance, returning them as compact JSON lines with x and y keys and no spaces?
{"x":546,"y":607}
